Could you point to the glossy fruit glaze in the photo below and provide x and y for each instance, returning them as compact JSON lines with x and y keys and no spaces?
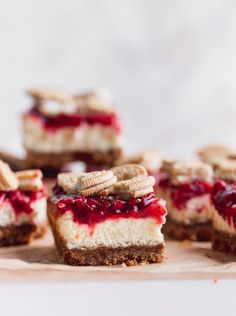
{"x":75,"y":120}
{"x":224,"y":199}
{"x":182,"y":193}
{"x":96,"y":209}
{"x":21,"y":200}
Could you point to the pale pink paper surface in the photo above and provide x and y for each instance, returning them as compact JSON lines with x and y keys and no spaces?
{"x":39,"y":262}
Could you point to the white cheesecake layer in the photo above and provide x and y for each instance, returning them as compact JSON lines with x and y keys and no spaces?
{"x":110,"y":233}
{"x":221,"y":224}
{"x":197,"y":210}
{"x":37,"y":217}
{"x":86,"y":138}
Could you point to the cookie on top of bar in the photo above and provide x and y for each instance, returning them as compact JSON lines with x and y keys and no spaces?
{"x":181,"y":171}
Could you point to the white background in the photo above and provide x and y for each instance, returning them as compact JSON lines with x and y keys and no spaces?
{"x":171,"y":67}
{"x":170,"y":64}
{"x":190,"y":298}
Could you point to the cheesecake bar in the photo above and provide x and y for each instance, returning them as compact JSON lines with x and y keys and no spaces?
{"x":187,"y":188}
{"x":107,"y":217}
{"x":23,"y":215}
{"x":60,"y":128}
{"x":150,"y":159}
{"x":224,"y":211}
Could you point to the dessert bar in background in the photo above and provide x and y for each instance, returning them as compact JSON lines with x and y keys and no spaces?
{"x":60,"y":128}
{"x":187,"y":188}
{"x":224,"y":211}
{"x":107,"y":217}
{"x":23,"y":213}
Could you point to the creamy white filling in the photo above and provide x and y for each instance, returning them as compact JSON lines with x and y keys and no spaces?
{"x":69,"y":139}
{"x":110,"y":233}
{"x":196,"y":210}
{"x":221,"y":224}
{"x":37,"y":217}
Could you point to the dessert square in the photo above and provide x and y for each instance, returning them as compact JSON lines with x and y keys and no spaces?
{"x":60,"y":128}
{"x":224,"y":211}
{"x":23,"y":214}
{"x":107,"y":217}
{"x":187,"y":186}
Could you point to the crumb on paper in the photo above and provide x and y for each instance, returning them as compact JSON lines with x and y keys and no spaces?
{"x":124,"y":265}
{"x":215,"y":280}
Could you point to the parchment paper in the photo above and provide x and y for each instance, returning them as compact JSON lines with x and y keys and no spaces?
{"x":39,"y":262}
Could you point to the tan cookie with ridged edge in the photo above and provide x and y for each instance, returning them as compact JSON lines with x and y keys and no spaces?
{"x":98,"y":187}
{"x":225,"y":169}
{"x":8,"y":180}
{"x":125,"y":172}
{"x":30,"y":180}
{"x":181,"y":171}
{"x":95,"y":101}
{"x":86,"y":183}
{"x":214,"y":149}
{"x":134,"y":187}
{"x":50,"y":94}
{"x":92,"y":178}
{"x":69,"y":180}
{"x":212,"y":153}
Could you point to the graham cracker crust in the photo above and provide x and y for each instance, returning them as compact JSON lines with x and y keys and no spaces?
{"x":223,"y":241}
{"x":131,"y":255}
{"x":51,"y":160}
{"x":13,"y":235}
{"x":197,"y":232}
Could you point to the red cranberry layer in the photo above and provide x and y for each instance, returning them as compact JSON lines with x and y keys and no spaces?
{"x":224,"y":199}
{"x":93,"y":210}
{"x":182,"y":193}
{"x":21,"y":200}
{"x":76,"y":120}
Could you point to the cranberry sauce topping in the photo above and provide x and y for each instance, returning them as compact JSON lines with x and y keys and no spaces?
{"x":224,"y":199}
{"x":76,"y":120}
{"x":182,"y":193}
{"x":93,"y":210}
{"x":21,"y":200}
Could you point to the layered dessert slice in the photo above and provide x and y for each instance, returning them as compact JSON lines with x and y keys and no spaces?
{"x":60,"y":128}
{"x":22,"y":206}
{"x":224,"y":212}
{"x":187,"y":188}
{"x":150,"y":159}
{"x":107,"y":217}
